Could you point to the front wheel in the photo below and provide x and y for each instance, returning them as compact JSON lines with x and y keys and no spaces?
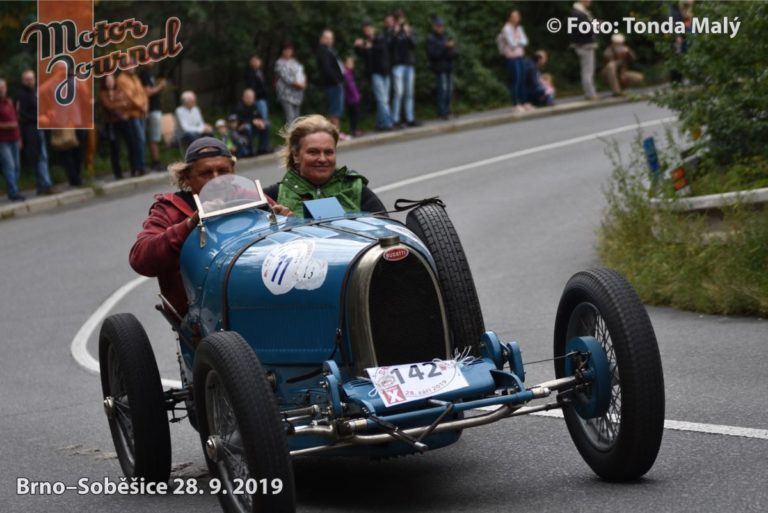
{"x":133,"y":399}
{"x":623,"y":443}
{"x":240,"y":428}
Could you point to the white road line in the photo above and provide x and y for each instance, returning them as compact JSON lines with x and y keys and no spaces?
{"x":521,"y":153}
{"x":79,"y":346}
{"x":696,"y":427}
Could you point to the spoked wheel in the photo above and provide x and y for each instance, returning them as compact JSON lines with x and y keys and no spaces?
{"x":133,"y":399}
{"x":622,"y":443}
{"x":240,"y":428}
{"x":434,"y":228}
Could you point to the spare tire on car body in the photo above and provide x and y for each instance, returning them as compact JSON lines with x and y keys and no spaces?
{"x":431,"y":224}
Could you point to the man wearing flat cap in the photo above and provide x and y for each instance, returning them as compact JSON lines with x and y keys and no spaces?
{"x":173,"y":216}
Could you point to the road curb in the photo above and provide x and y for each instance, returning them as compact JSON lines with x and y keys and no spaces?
{"x":470,"y":122}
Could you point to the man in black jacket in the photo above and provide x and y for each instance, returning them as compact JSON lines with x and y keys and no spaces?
{"x":33,"y":140}
{"x":254,"y":79}
{"x":251,"y":123}
{"x":441,"y":52}
{"x":331,"y":76}
{"x":374,"y":50}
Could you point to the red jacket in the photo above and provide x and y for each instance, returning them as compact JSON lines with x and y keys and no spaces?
{"x":156,"y":250}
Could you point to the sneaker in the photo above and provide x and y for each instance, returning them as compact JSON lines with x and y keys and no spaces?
{"x":17,"y":197}
{"x":414,"y":123}
{"x":157,"y":167}
{"x":344,"y":137}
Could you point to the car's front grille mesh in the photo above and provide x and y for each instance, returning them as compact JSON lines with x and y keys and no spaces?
{"x":405,"y":317}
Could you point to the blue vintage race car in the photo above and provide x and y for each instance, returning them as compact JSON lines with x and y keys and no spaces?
{"x":355,"y":334}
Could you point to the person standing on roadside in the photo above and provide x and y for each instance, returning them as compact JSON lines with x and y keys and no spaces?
{"x":33,"y":146}
{"x":331,"y":76}
{"x":129,"y":84}
{"x":290,"y":83}
{"x":153,"y":88}
{"x":512,"y":44}
{"x":115,"y":106}
{"x":352,"y":96}
{"x":403,"y":45}
{"x":10,"y":144}
{"x":441,"y":54}
{"x":585,"y":44}
{"x":254,"y":79}
{"x":373,"y":48}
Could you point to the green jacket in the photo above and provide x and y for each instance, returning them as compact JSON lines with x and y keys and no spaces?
{"x":346,"y":185}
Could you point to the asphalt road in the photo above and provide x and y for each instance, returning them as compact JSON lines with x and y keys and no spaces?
{"x":528,"y":223}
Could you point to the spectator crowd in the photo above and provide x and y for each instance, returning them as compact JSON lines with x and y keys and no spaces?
{"x":133,"y":118}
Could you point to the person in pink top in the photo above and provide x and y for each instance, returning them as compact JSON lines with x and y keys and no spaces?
{"x":10,"y":143}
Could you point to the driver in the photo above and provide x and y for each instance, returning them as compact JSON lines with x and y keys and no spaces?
{"x":309,"y":157}
{"x":173,"y":216}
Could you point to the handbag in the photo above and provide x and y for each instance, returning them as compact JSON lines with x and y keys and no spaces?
{"x":64,"y":139}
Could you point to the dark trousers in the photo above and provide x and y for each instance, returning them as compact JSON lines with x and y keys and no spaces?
{"x":444,"y":87}
{"x":250,"y":132}
{"x":353,"y":111}
{"x":516,"y":80}
{"x":115,"y":131}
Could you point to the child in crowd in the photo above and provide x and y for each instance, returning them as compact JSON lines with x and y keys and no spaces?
{"x":352,"y":96}
{"x":228,"y":133}
{"x":222,"y":134}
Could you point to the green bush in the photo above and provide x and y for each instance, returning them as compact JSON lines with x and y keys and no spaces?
{"x":726,"y":82}
{"x":669,"y":257}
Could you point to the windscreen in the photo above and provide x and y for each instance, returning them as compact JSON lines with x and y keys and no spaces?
{"x":229,"y":193}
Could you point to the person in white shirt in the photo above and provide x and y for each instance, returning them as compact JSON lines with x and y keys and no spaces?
{"x":190,"y":119}
{"x":512,"y":46}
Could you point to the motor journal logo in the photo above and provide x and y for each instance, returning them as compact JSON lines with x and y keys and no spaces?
{"x":66,"y":37}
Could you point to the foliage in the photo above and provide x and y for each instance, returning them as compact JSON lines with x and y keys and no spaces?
{"x":668,"y":256}
{"x":726,"y":82}
{"x":219,"y":37}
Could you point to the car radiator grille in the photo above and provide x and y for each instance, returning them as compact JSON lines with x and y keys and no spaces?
{"x":405,"y":313}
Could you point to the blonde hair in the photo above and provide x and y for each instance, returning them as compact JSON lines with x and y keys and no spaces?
{"x":179,"y":174}
{"x":298,"y":130}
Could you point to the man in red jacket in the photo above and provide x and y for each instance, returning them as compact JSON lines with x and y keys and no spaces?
{"x":173,"y":216}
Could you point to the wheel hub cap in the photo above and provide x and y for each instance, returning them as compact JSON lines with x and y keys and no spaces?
{"x":109,"y":407}
{"x":213,"y":448}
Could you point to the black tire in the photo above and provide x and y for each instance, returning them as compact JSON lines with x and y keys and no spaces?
{"x":139,"y":420}
{"x":236,"y":404}
{"x":621,"y":445}
{"x":432,"y":225}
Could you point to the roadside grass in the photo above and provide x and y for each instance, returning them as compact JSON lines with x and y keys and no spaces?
{"x":668,"y":257}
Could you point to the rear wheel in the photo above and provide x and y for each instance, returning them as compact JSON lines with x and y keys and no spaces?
{"x":432,"y":225}
{"x":240,"y":428}
{"x":133,"y":399}
{"x":623,"y":443}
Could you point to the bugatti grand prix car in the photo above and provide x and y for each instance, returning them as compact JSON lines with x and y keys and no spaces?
{"x":356,"y":334}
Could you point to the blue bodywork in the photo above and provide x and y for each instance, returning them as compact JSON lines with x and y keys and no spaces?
{"x":293,"y":329}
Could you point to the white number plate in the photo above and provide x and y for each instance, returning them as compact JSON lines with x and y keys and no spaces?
{"x":400,"y":384}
